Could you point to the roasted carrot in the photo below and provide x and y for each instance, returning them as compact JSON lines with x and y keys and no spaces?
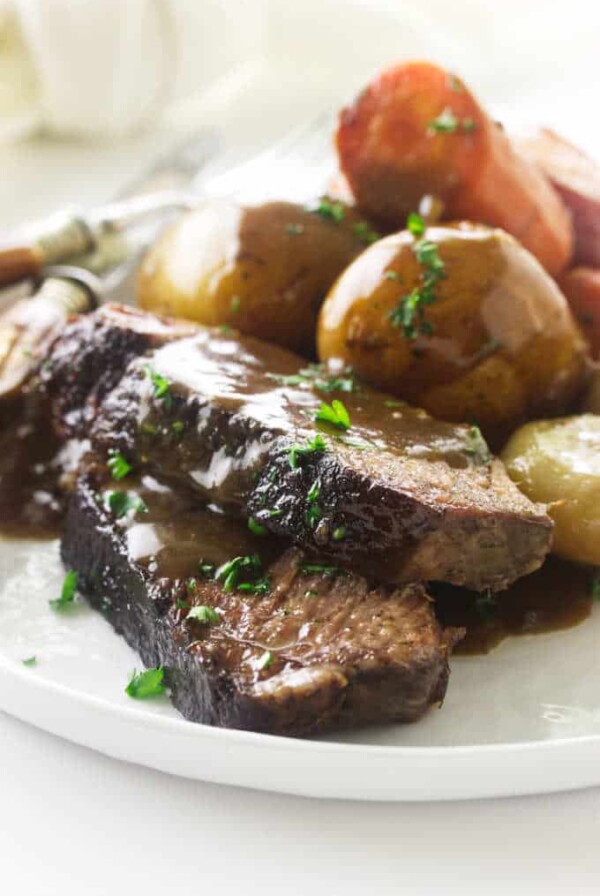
{"x":418,"y":130}
{"x":581,"y":286}
{"x":576,"y":177}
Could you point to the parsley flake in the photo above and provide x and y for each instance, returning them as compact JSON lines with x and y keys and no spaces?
{"x":317,"y":376}
{"x":313,"y":515}
{"x":316,"y":445}
{"x":119,"y":467}
{"x":243,"y":574}
{"x":149,"y":683}
{"x":266,"y":660}
{"x":415,"y":224}
{"x":255,"y":527}
{"x":335,"y":414}
{"x":365,"y":233}
{"x":596,"y":586}
{"x":323,"y":568}
{"x":294,"y":229}
{"x":67,"y":594}
{"x":477,"y":446}
{"x":445,"y":123}
{"x":161,"y":385}
{"x":121,"y":503}
{"x":206,"y":568}
{"x":236,"y":304}
{"x":29,"y":661}
{"x":314,"y":491}
{"x":331,"y":211}
{"x":204,"y":614}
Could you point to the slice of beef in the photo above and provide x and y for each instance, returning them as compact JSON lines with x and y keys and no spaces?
{"x":397,"y":495}
{"x":320,"y":649}
{"x":90,"y":356}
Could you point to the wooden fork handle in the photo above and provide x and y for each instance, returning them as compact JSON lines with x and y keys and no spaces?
{"x":20,"y":263}
{"x":62,"y":237}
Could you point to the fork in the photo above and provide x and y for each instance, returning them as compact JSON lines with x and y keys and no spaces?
{"x":290,"y":168}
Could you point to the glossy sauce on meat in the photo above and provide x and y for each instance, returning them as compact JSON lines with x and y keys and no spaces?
{"x":177,"y":532}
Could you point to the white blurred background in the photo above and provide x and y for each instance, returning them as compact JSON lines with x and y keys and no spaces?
{"x":91,"y":90}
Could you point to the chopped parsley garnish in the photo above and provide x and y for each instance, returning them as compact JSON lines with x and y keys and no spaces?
{"x":331,"y":211}
{"x":335,"y":414}
{"x":274,"y":513}
{"x":30,"y":661}
{"x":243,"y":574}
{"x":339,"y":534}
{"x":67,"y":594}
{"x":313,"y":515}
{"x":206,"y":568}
{"x":266,"y":660}
{"x":203,"y":614}
{"x":486,"y":605}
{"x":319,"y":378}
{"x":121,"y":503}
{"x":118,"y":466}
{"x":235,"y":304}
{"x":392,"y":275}
{"x":365,"y":233}
{"x":477,"y":446}
{"x":595,"y":590}
{"x":322,"y":568}
{"x":316,"y":445}
{"x":415,"y":224}
{"x":192,"y":585}
{"x":314,"y":491}
{"x":294,"y":229}
{"x":445,"y":123}
{"x":392,"y":403}
{"x":409,"y":313}
{"x":149,"y":683}
{"x":448,"y":123}
{"x":161,"y":385}
{"x":256,"y":528}
{"x":225,"y":330}
{"x":178,"y":426}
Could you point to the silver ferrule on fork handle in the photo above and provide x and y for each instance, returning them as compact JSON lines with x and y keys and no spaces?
{"x":64,"y":235}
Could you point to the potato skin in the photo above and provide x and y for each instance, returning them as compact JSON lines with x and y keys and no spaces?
{"x":558,"y":462}
{"x":504,"y":346}
{"x":264,"y":270}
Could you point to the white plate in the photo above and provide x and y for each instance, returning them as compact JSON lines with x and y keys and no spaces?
{"x":524,"y":719}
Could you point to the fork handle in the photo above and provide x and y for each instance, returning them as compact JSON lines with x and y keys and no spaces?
{"x":59,"y":238}
{"x":20,"y":262}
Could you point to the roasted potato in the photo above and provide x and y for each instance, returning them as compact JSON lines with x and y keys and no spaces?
{"x":558,"y":462}
{"x":264,"y":270}
{"x":460,"y":320}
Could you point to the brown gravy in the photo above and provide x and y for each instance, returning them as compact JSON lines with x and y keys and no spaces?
{"x":30,"y":500}
{"x":557,"y":596}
